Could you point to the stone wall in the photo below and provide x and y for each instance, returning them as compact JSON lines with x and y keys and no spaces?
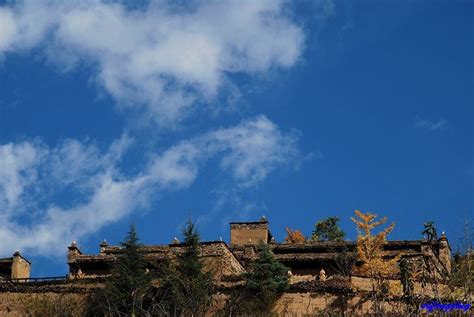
{"x":20,"y":267}
{"x":248,"y":233}
{"x":72,"y":296}
{"x":220,"y":261}
{"x":432,"y":290}
{"x":304,"y":304}
{"x":15,"y":267}
{"x":318,"y":304}
{"x":41,"y":304}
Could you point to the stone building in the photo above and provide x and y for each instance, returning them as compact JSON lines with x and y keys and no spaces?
{"x":305,"y":261}
{"x":324,"y":276}
{"x":15,"y":267}
{"x":216,"y":256}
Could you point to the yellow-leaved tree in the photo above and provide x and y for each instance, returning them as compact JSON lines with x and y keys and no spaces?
{"x":371,"y":256}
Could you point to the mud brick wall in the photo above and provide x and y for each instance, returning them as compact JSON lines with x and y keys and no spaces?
{"x":248,"y":233}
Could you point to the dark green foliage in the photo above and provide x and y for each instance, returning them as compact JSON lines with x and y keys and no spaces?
{"x":343,"y":263}
{"x":429,"y":231}
{"x":185,"y":289}
{"x":188,"y":262}
{"x":265,"y":283}
{"x":328,"y":230}
{"x":127,"y":290}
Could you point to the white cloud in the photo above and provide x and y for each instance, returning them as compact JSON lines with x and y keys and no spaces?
{"x":431,"y":125}
{"x":18,"y":164}
{"x":160,"y":58}
{"x":7,"y":29}
{"x":34,"y":219}
{"x":249,"y":151}
{"x":177,"y":166}
{"x":254,"y":148}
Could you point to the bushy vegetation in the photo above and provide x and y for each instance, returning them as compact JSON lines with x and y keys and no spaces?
{"x":265,"y":282}
{"x":49,"y":305}
{"x":185,"y":288}
{"x":128,"y":290}
{"x":294,"y":236}
{"x":328,"y":230}
{"x":462,"y":279}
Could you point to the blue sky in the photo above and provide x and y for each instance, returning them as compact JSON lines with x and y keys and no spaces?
{"x":153,"y":113}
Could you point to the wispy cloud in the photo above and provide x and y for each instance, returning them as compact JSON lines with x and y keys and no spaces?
{"x":431,"y":125}
{"x":159,"y":59}
{"x":162,"y":61}
{"x":34,"y":177}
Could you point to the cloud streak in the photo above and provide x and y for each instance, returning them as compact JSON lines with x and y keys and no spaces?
{"x":431,"y":125}
{"x":160,"y":59}
{"x":35,"y":178}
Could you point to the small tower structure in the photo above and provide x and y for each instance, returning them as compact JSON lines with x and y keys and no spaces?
{"x":253,"y":232}
{"x":15,"y":267}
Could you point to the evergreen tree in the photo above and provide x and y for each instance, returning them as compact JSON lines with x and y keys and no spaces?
{"x":188,"y":262}
{"x":126,"y":290}
{"x":186,"y":289}
{"x":328,"y":230}
{"x":266,"y":282}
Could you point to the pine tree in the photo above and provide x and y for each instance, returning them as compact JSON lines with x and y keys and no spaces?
{"x":266,"y":281}
{"x":189,"y":264}
{"x":125,"y":291}
{"x":328,"y":230}
{"x":187,"y":289}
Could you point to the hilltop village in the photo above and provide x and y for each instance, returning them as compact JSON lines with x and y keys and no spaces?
{"x":321,"y":274}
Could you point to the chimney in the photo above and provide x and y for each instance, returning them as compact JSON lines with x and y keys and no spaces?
{"x":103,"y":245}
{"x":444,"y":252}
{"x":73,"y":251}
